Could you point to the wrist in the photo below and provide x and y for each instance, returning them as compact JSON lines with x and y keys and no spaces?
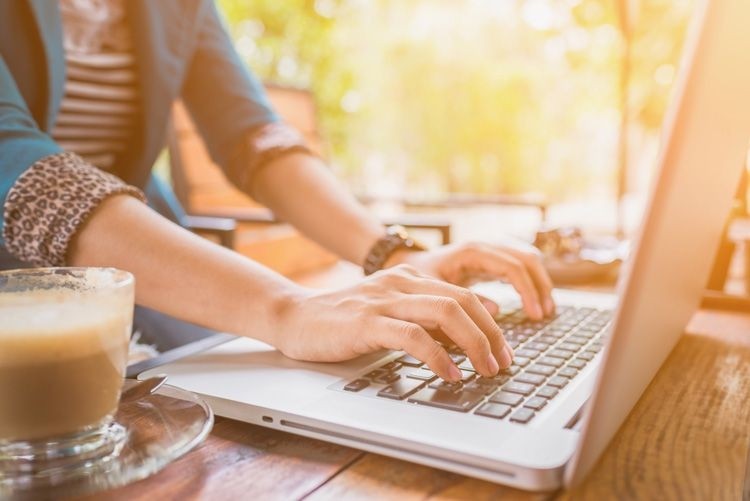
{"x":278,"y":304}
{"x":402,"y":256}
{"x":388,"y":249}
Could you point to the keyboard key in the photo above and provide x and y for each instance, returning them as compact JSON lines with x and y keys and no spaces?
{"x":564,"y":324}
{"x":534,"y":379}
{"x":503,"y":397}
{"x":466,"y":376}
{"x":547,"y":392}
{"x":466,"y":366}
{"x":375,"y":373}
{"x":410,"y":361}
{"x":498,"y":380}
{"x":568,"y":372}
{"x":510,"y":371}
{"x":578,"y":363}
{"x":461,"y":401}
{"x":585,"y":334}
{"x":522,"y":415}
{"x":576,"y":340}
{"x":547,"y":339}
{"x":556,"y":332}
{"x":558,"y":382}
{"x":520,"y":388}
{"x":536,"y":345}
{"x":387,"y":378}
{"x":536,"y":403}
{"x":423,"y":374}
{"x":587,"y":331}
{"x":564,"y":354}
{"x":457,"y":357}
{"x":521,"y":361}
{"x":497,"y":411}
{"x":444,"y":385}
{"x":544,"y":370}
{"x":357,"y":385}
{"x":527,"y":353}
{"x":476,"y":387}
{"x":391,"y":366}
{"x":551,"y":361}
{"x":586,"y":355}
{"x":569,"y":346}
{"x":401,"y":389}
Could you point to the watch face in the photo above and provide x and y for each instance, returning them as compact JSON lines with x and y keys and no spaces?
{"x":399,"y":231}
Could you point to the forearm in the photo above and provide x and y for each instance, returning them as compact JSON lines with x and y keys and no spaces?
{"x":302,"y":191}
{"x":181,"y":274}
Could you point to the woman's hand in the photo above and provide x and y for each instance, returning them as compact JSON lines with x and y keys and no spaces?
{"x":395,"y":309}
{"x":461,"y":263}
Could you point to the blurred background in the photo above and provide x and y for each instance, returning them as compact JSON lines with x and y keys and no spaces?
{"x":483,"y":119}
{"x":422,"y":99}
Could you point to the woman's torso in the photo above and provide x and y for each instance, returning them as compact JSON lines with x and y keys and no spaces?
{"x":99,"y":108}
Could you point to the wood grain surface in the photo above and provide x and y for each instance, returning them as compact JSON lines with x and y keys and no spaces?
{"x":242,"y":461}
{"x":688,"y":438}
{"x":689,"y":435}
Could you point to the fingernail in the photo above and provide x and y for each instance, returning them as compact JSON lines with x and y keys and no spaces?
{"x":454,"y":373}
{"x":492,"y":364}
{"x":507,"y":357}
{"x":549,"y":306}
{"x":491,"y":307}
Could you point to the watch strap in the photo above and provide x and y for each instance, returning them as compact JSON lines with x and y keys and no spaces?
{"x":396,"y":238}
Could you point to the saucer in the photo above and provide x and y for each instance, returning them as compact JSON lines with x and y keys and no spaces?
{"x":159,"y":428}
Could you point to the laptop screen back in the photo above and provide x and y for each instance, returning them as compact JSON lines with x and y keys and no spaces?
{"x":705,"y":142}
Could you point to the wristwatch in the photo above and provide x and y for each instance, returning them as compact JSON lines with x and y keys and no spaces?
{"x":395,"y":238}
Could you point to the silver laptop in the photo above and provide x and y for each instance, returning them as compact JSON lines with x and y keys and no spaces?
{"x":544,"y":422}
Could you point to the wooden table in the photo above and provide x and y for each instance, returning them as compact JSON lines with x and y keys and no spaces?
{"x":688,"y":438}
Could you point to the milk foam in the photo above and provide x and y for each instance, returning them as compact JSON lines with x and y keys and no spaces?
{"x":53,"y":324}
{"x":52,"y":308}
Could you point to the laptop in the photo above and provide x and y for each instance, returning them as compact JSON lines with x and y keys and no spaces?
{"x":544,"y":422}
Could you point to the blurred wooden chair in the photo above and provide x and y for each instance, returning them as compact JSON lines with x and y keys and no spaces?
{"x":736,"y":233}
{"x":208,"y":203}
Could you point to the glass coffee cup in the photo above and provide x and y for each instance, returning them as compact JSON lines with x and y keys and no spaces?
{"x":64,"y":338}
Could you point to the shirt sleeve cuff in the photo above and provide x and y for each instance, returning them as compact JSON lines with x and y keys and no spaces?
{"x":263,"y":145}
{"x":50,"y":202}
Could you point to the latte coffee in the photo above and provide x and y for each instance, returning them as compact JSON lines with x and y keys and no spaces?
{"x":63,"y":350}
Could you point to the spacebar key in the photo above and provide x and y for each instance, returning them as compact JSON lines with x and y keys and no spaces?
{"x":460,"y":401}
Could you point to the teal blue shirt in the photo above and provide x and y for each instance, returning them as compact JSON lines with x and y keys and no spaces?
{"x":182,"y":52}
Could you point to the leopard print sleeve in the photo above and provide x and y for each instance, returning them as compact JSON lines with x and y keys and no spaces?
{"x":50,"y":201}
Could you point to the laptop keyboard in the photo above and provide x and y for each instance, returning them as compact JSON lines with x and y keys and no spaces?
{"x":548,"y":355}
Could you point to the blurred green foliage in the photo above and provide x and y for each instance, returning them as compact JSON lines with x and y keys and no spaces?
{"x":480,"y":96}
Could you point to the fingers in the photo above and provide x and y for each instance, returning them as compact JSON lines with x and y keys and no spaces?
{"x":414,"y":340}
{"x":449,"y":316}
{"x":491,"y":306}
{"x":480,"y":329}
{"x":502,"y":264}
{"x":540,"y":277}
{"x":477,"y":312}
